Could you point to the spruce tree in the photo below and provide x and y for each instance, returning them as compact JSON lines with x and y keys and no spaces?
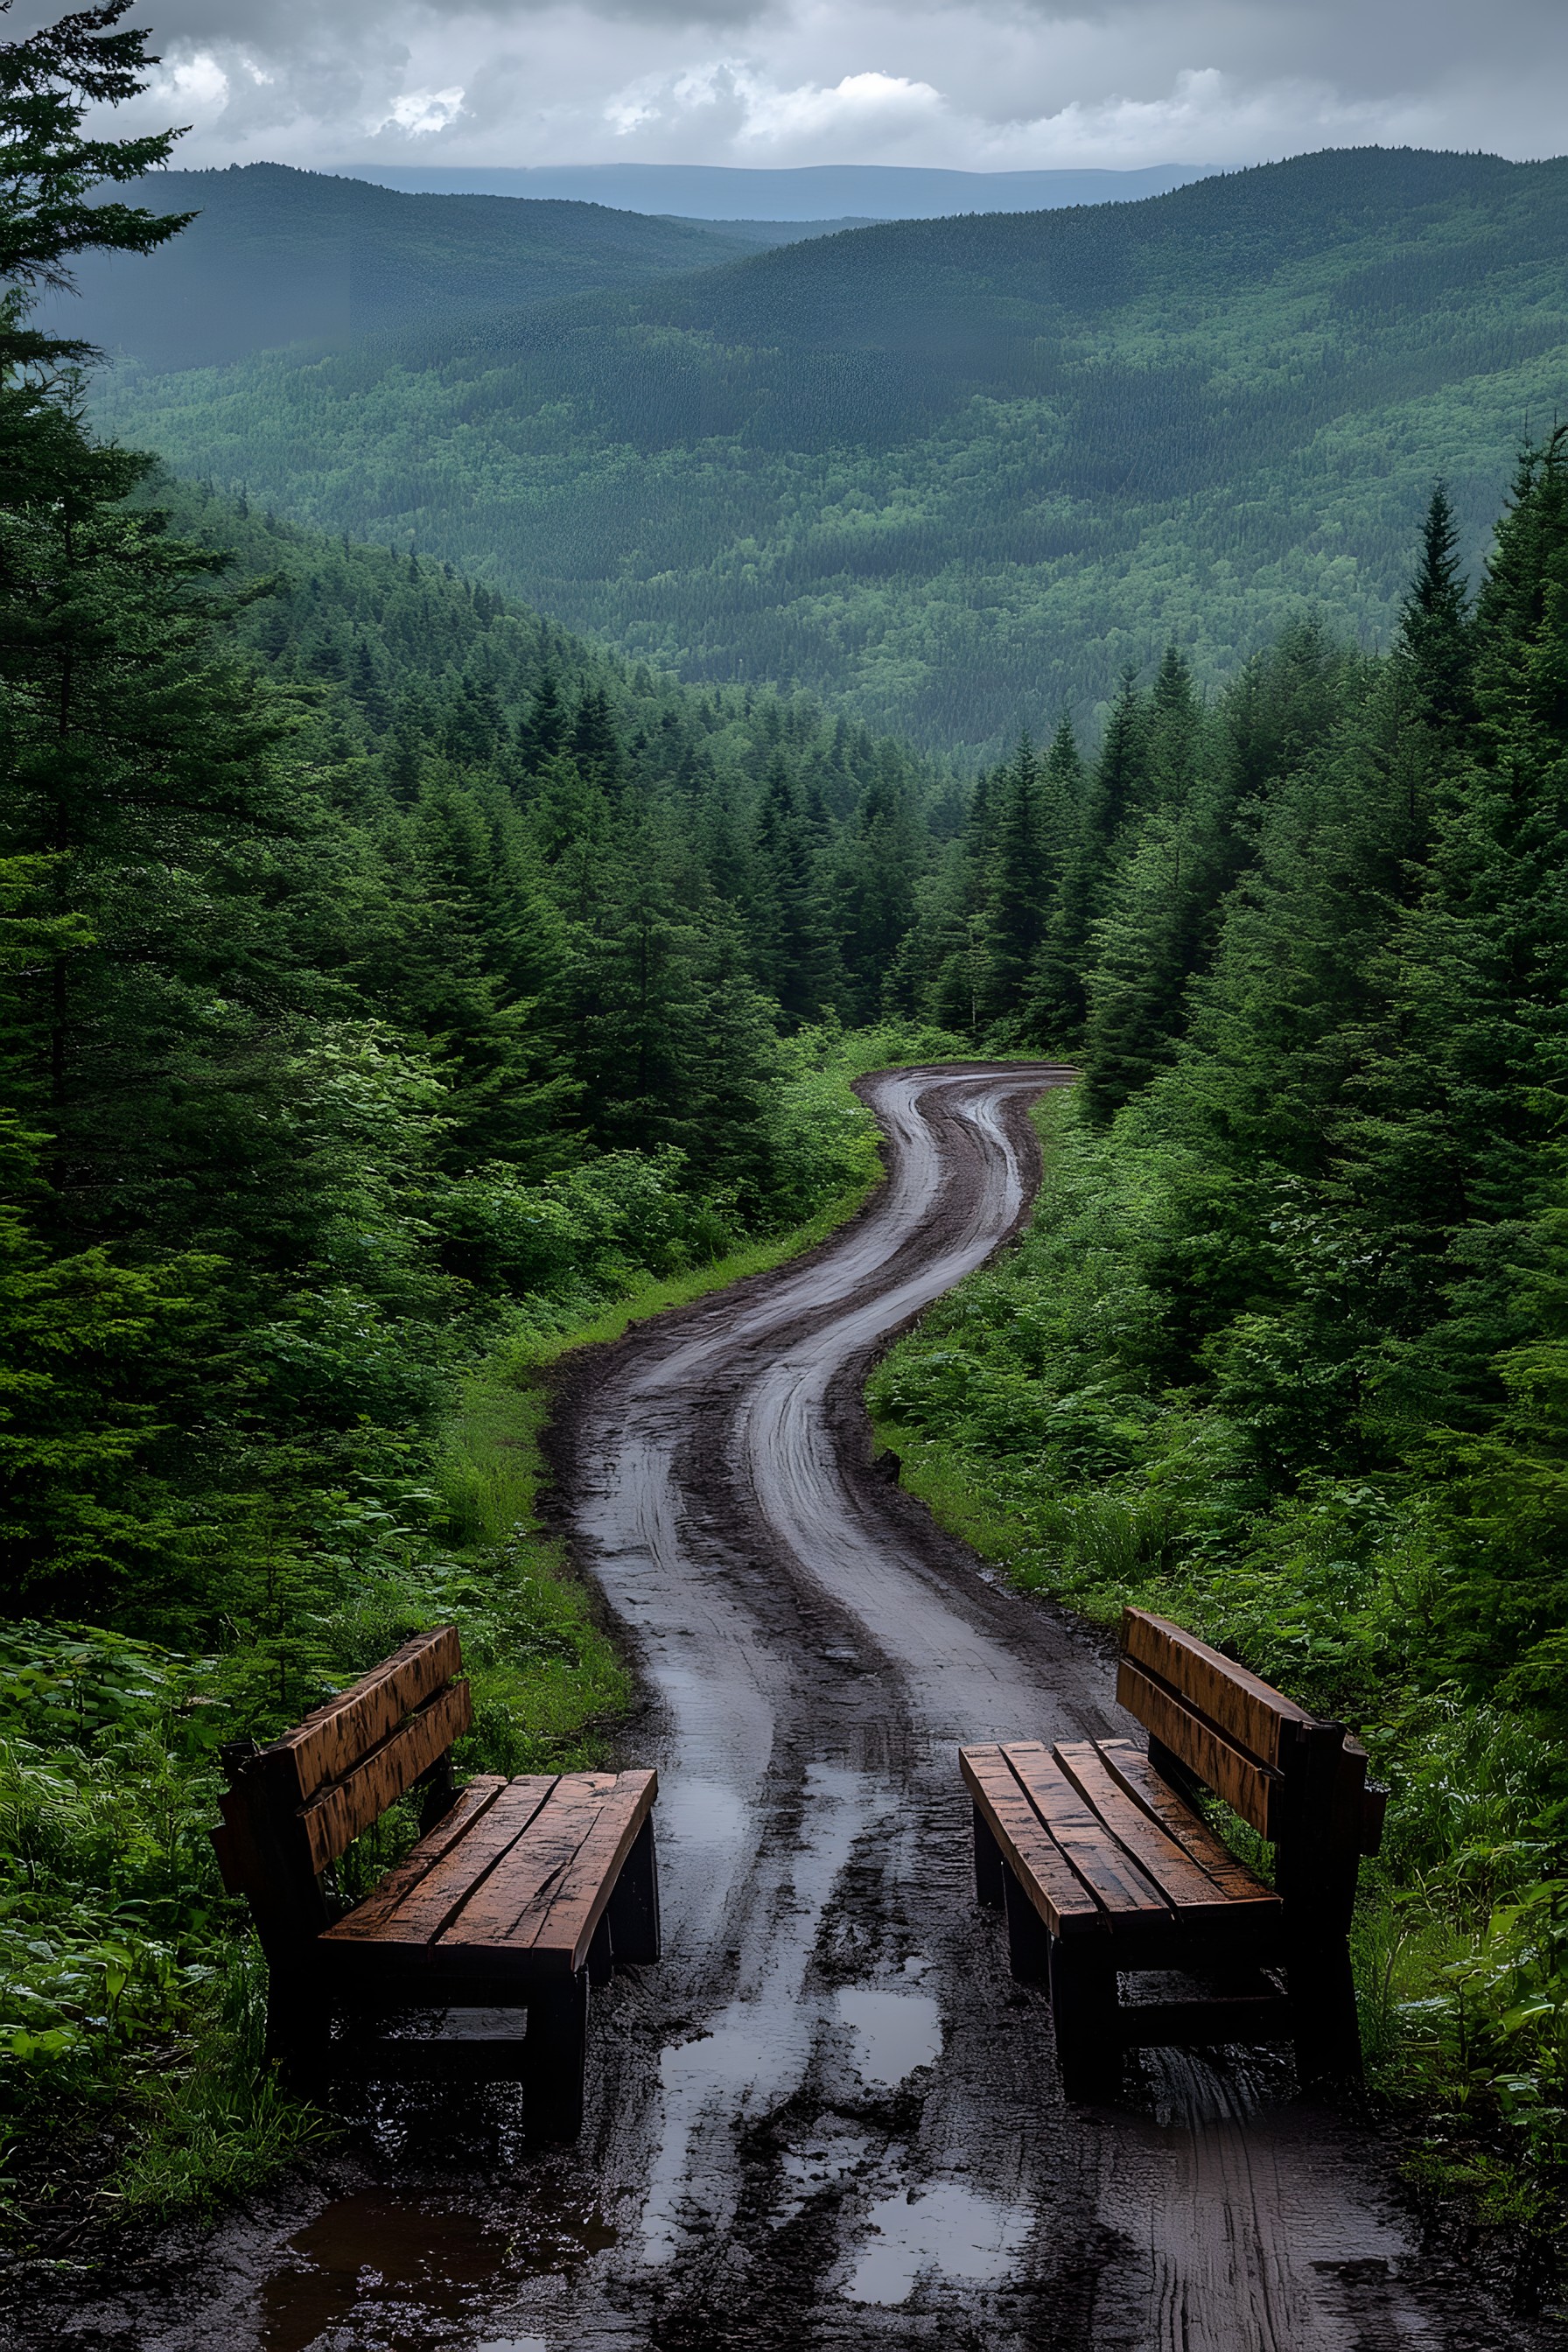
{"x":791,"y":937}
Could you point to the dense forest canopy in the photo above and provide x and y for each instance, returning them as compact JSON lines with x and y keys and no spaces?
{"x":960,"y":471}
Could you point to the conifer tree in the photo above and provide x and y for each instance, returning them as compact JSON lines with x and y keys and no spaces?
{"x":1018,"y":884}
{"x":791,"y":938}
{"x":877,"y":868}
{"x":1116,"y":791}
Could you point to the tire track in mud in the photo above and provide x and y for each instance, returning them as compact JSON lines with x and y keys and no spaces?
{"x":828,"y":2119}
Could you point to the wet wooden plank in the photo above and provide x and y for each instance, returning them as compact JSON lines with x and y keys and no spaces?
{"x":1053,"y":1887}
{"x":535,"y":1865}
{"x":1247,"y":1709}
{"x":345,"y":1808}
{"x":335,"y":1736}
{"x":566,"y":1919}
{"x":441,"y":1896}
{"x":368,"y":1919}
{"x":1181,"y":1879}
{"x":1122,"y":1888}
{"x":1133,"y":1769}
{"x":1249,"y":1788}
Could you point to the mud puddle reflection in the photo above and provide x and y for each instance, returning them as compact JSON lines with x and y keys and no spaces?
{"x":760,"y":2044}
{"x":947,"y":2231}
{"x":894,"y":2032}
{"x":380,"y":2272}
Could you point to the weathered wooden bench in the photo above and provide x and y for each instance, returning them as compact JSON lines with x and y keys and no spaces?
{"x":519,"y":1895}
{"x":1104,"y":1868}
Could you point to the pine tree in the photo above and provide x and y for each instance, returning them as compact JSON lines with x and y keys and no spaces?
{"x":1434,"y":643}
{"x":1117,"y":790}
{"x":541,"y":733}
{"x":877,"y":867}
{"x":791,"y":938}
{"x":1452,"y":1151}
{"x":1017,"y":886}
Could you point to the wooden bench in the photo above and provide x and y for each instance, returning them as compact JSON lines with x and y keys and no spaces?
{"x":1104,"y":1868}
{"x":519,"y":1895}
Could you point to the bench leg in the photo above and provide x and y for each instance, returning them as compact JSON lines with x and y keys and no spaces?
{"x":1028,"y":1938}
{"x":1323,"y":2013}
{"x":602,"y":1952}
{"x":989,"y":1866}
{"x":633,"y":1912}
{"x":1085,"y":2013}
{"x":554,"y":2060}
{"x":298,"y":2031}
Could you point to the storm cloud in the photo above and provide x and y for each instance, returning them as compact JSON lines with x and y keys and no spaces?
{"x":991,"y":84}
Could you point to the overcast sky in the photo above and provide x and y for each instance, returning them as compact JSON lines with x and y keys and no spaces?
{"x":980,"y":84}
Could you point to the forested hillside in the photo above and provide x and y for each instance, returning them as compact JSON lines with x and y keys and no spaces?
{"x":959,"y":470}
{"x":274,"y":255}
{"x":1285,"y":1353}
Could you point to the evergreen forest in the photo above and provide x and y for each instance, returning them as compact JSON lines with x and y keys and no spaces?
{"x":399,"y":987}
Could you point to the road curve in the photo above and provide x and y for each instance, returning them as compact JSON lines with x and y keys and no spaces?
{"x":830,"y":2119}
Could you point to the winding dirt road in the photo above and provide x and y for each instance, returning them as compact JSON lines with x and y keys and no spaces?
{"x":858,"y":2139}
{"x":829,"y":2118}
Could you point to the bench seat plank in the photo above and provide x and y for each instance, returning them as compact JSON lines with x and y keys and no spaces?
{"x":1054,"y":1888}
{"x":566,"y":1918}
{"x":496,"y":1912}
{"x":1110,"y":1875}
{"x":425,"y":1899}
{"x":1181,"y":1878}
{"x":1133,"y":1769}
{"x":515,"y":1879}
{"x":366,"y":1916}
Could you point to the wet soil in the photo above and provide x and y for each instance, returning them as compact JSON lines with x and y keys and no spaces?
{"x":828,"y":2118}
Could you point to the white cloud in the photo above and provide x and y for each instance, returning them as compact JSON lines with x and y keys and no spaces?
{"x":422,"y":112}
{"x":862,"y":109}
{"x":859,"y":114}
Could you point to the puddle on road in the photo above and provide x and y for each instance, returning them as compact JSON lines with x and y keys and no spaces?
{"x":947,"y":2229}
{"x":894,"y":2032}
{"x":760,"y":2044}
{"x":390,"y":2275}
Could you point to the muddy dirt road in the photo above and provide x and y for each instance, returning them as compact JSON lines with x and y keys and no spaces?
{"x":828,"y":2119}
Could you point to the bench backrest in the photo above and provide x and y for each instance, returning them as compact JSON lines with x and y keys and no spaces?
{"x":1299,"y":1781}
{"x":294,"y":1806}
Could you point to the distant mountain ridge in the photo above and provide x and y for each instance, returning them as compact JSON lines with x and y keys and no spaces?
{"x":806,"y":192}
{"x":280,"y":256}
{"x":959,"y":470}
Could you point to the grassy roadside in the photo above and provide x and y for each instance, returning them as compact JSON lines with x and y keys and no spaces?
{"x":131,"y":2085}
{"x":1087,"y":1490}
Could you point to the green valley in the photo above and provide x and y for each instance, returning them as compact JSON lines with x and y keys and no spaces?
{"x":959,"y":471}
